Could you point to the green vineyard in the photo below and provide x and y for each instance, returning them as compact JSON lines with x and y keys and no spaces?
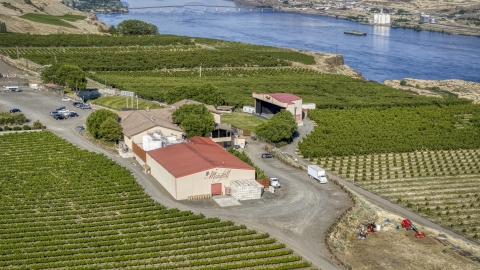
{"x":63,"y":207}
{"x":397,"y":129}
{"x":238,"y":84}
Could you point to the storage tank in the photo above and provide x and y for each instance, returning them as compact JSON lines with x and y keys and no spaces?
{"x":155,"y":144}
{"x":145,"y":140}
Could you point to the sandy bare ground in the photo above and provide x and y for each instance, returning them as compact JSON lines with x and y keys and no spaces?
{"x":51,"y":7}
{"x":464,"y":89}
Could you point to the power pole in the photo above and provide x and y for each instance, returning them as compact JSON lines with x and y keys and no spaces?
{"x":18,"y":56}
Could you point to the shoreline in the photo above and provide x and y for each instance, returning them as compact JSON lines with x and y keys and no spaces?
{"x":437,"y":27}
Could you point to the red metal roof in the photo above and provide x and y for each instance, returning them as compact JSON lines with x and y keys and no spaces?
{"x":285,"y":97}
{"x":200,"y":154}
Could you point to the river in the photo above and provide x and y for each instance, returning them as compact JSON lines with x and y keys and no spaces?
{"x":385,"y":53}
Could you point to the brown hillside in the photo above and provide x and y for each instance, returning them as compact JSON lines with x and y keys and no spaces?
{"x":51,"y":7}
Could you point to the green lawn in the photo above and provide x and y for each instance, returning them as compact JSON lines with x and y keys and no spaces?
{"x":117,"y":103}
{"x":55,"y":20}
{"x":242,"y":120}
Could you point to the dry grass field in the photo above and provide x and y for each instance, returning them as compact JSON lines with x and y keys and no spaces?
{"x":11,"y":10}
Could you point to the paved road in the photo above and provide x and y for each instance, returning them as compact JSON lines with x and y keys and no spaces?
{"x":298,"y":214}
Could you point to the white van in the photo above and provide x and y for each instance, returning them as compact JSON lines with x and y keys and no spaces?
{"x":11,"y":89}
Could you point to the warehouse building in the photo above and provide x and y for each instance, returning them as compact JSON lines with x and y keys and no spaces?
{"x":195,"y":168}
{"x":270,"y":104}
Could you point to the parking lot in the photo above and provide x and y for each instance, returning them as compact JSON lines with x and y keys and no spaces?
{"x":37,"y":105}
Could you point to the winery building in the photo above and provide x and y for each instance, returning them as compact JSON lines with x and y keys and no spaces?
{"x":270,"y":104}
{"x":196,"y":167}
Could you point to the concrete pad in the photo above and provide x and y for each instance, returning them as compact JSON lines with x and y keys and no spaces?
{"x":225,"y":201}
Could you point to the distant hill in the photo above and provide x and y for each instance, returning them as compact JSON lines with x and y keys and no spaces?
{"x":46,"y":17}
{"x":96,"y":6}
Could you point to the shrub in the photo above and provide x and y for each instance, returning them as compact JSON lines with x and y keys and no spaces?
{"x":6,"y":128}
{"x":26,"y":127}
{"x":17,"y":128}
{"x":403,"y":82}
{"x":37,"y":125}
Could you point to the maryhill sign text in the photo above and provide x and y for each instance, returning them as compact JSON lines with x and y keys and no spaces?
{"x":218,"y":176}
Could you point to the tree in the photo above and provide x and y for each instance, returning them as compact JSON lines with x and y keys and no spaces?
{"x":95,"y":120}
{"x":194,"y":119}
{"x":136,"y":27}
{"x":111,"y":130}
{"x":207,"y":93}
{"x":3,"y":27}
{"x":37,"y":125}
{"x":112,"y":30}
{"x":71,"y":76}
{"x":67,"y":75}
{"x":281,"y":127}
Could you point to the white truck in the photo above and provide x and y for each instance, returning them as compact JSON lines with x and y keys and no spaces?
{"x":274,"y":182}
{"x":318,"y":174}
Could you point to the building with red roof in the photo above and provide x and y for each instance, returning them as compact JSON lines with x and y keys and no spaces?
{"x":197,"y":167}
{"x":270,"y":104}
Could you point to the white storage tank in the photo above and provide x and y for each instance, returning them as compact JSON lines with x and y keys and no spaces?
{"x":246,"y":189}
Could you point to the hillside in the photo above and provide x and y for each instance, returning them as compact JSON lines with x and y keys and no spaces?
{"x":12,"y":10}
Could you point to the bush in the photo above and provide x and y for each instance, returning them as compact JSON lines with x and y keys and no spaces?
{"x":37,"y":125}
{"x":403,"y":82}
{"x":1,"y":129}
{"x":26,"y":127}
{"x":6,"y":128}
{"x":17,"y":128}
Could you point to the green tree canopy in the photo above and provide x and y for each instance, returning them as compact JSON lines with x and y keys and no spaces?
{"x":111,"y":130}
{"x":136,"y":27}
{"x":67,"y":75}
{"x":97,"y":128}
{"x":206,"y":93}
{"x":194,"y":119}
{"x":281,"y":127}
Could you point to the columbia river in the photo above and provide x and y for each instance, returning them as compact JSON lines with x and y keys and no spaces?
{"x":384,"y":53}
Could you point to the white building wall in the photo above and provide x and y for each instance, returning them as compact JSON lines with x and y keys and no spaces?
{"x":200,"y":183}
{"x":164,"y":177}
{"x":127,"y":141}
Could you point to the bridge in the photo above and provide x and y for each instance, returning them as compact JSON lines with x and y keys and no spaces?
{"x":205,"y":7}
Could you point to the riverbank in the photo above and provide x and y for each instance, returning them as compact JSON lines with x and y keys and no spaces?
{"x":399,"y":20}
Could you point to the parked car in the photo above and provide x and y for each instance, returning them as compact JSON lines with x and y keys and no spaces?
{"x":77,"y":103}
{"x":53,"y":113}
{"x":66,"y":99}
{"x":267,"y":155}
{"x":80,"y":127}
{"x":85,"y":106}
{"x":64,"y":111}
{"x":15,"y":110}
{"x":58,"y":117}
{"x":60,"y":108}
{"x":72,"y":114}
{"x":274,"y":182}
